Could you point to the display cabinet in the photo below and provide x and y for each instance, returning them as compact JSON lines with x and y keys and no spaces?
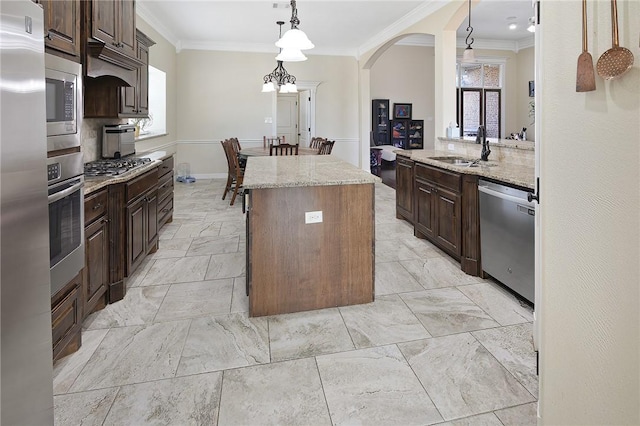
{"x":407,"y":134}
{"x":380,"y":121}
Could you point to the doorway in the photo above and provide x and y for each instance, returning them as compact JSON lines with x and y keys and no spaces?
{"x":287,"y":117}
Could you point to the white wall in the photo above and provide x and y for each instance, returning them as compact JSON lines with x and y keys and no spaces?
{"x":405,"y":74}
{"x":525,"y":62}
{"x":220,"y":97}
{"x":589,"y":147}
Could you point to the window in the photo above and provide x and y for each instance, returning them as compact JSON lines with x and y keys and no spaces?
{"x":479,"y":98}
{"x":156,"y":124}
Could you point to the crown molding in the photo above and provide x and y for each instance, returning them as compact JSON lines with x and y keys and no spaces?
{"x":422,"y":40}
{"x":150,"y":18}
{"x":413,"y":17}
{"x":526,"y":42}
{"x":256,"y":48}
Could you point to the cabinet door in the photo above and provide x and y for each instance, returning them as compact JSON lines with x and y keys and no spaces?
{"x":151,"y":216}
{"x":62,"y":25}
{"x":404,"y":189}
{"x":425,"y":214}
{"x":136,"y":247}
{"x":128,"y":97}
{"x":143,"y":81}
{"x":448,"y":228}
{"x":96,"y":277}
{"x":127,"y":26}
{"x":104,"y":20}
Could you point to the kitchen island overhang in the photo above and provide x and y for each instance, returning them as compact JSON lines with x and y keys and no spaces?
{"x":310,"y":234}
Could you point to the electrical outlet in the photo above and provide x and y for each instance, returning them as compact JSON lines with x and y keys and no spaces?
{"x":313,"y":217}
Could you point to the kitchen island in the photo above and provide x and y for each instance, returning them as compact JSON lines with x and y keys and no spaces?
{"x":310,"y":234}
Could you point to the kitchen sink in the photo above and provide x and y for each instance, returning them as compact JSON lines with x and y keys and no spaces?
{"x":462,"y":161}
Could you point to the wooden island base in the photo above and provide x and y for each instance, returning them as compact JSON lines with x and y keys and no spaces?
{"x":293,"y":266}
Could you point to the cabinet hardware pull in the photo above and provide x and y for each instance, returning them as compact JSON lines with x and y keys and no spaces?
{"x":165,"y":210}
{"x":48,"y":36}
{"x":97,"y":206}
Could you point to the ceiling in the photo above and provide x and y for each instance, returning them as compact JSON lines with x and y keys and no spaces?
{"x":335,"y":27}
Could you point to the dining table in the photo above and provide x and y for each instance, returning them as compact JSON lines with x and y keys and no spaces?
{"x":264,"y":152}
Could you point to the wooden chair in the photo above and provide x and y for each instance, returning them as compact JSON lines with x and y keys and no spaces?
{"x":274,"y":140}
{"x":236,"y":174}
{"x":316,"y":142}
{"x":283,"y":149}
{"x":235,"y":143}
{"x":326,"y":148}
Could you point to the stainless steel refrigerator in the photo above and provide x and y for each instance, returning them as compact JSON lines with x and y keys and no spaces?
{"x":25,"y":296}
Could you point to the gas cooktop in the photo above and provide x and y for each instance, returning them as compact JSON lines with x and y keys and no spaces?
{"x":113,"y":167}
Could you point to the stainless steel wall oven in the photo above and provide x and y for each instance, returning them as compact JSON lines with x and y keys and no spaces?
{"x":66,"y":218}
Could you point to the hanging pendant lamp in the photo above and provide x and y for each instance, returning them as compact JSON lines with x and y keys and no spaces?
{"x":294,"y":38}
{"x":468,"y":55}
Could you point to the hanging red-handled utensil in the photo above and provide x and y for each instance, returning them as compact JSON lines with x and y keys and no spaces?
{"x":618,"y":60}
{"x":585,"y":76}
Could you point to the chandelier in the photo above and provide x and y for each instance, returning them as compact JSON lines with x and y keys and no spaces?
{"x":279,"y":76}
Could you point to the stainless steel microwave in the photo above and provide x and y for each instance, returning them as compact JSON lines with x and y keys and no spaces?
{"x":63,"y":84}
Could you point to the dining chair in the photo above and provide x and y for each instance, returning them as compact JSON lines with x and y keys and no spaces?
{"x":235,"y":143}
{"x":273,"y":140}
{"x":316,"y":142}
{"x":283,"y":149}
{"x":236,"y":174}
{"x":326,"y":147}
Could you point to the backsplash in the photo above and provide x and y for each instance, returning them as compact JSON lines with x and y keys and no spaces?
{"x":521,"y":153}
{"x":91,"y":136}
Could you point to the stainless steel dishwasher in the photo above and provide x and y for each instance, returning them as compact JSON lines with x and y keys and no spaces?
{"x":507,"y":222}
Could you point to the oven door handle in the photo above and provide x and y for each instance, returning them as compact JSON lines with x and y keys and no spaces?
{"x":65,"y":192}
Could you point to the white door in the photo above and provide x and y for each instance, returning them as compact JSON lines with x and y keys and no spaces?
{"x":288,"y":117}
{"x":304,"y":110}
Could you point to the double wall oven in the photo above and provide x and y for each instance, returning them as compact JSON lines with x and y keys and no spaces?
{"x":65,"y":178}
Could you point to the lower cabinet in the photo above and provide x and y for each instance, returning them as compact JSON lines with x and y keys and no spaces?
{"x":438,"y":205}
{"x":141,"y":218}
{"x":95,"y":279}
{"x":66,"y":318}
{"x":404,"y":189}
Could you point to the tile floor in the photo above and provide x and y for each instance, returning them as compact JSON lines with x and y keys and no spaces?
{"x":436,"y":346}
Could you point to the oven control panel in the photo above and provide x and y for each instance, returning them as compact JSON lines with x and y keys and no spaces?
{"x":53,"y":171}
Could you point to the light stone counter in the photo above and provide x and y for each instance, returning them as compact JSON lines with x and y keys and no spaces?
{"x":503,"y":143}
{"x":502,"y":171}
{"x":95,"y":183}
{"x":302,"y":170}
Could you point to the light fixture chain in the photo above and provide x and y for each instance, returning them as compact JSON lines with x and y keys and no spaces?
{"x":294,"y":15}
{"x":469,"y":29}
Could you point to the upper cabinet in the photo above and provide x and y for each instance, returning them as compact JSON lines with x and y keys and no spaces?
{"x":114,"y":24}
{"x":62,"y":27}
{"x":109,"y":34}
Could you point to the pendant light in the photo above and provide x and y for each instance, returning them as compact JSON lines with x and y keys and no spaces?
{"x":468,"y":55}
{"x":279,"y":77}
{"x":294,"y":38}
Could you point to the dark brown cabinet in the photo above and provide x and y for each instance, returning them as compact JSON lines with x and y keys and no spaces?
{"x":113,"y":22}
{"x":438,"y":207}
{"x":95,"y":281}
{"x":404,"y":188}
{"x":141,"y":219}
{"x":106,"y":101}
{"x":134,"y":101}
{"x":66,"y":319}
{"x":165,"y":192}
{"x":62,"y":27}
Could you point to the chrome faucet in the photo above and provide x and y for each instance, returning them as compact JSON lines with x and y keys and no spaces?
{"x":482,"y":138}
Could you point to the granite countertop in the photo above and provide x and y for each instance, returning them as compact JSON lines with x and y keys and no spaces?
{"x":95,"y":183}
{"x":523,"y":176}
{"x":302,"y":170}
{"x":505,"y":143}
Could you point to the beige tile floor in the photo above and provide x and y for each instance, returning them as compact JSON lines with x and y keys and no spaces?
{"x":436,"y":346}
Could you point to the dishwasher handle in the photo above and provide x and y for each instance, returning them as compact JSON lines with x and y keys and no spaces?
{"x":507,"y":197}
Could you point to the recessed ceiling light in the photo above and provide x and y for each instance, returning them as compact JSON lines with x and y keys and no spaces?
{"x":513,"y":26}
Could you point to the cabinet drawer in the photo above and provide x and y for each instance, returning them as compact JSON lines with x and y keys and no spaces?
{"x":165,"y":186}
{"x":404,"y":162}
{"x":140,"y":185}
{"x":166,"y":166}
{"x":441,"y":177}
{"x":65,"y":315}
{"x":165,"y":209}
{"x":95,"y":205}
